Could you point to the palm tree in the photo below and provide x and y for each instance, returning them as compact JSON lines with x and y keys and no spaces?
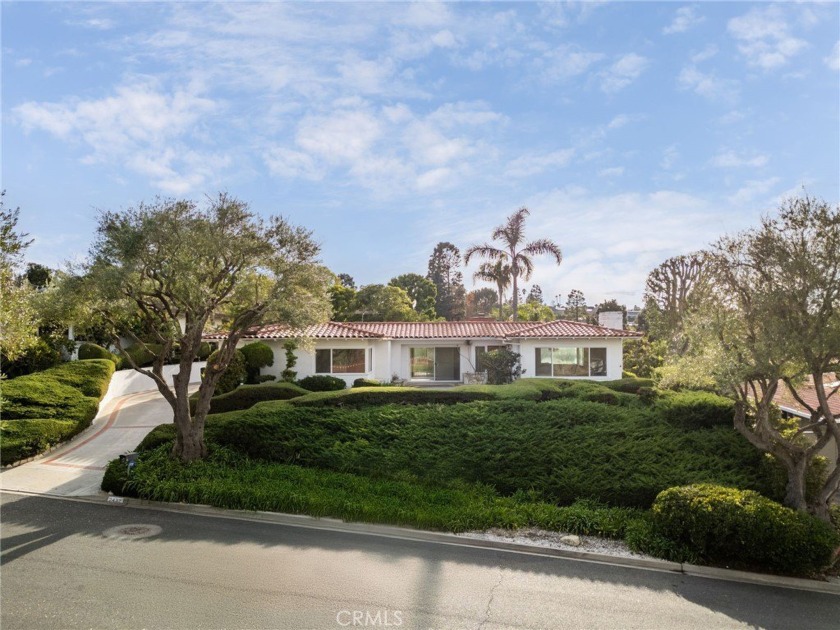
{"x":499,"y":273}
{"x":514,"y":252}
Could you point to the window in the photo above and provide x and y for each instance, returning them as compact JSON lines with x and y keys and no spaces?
{"x":563,"y":362}
{"x":340,"y":361}
{"x":480,"y":351}
{"x":436,"y":364}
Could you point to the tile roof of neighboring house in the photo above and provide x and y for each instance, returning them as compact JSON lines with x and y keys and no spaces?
{"x":436,"y":330}
{"x":807,"y":393}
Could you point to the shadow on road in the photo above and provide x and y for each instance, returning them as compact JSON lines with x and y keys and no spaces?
{"x":50,"y":520}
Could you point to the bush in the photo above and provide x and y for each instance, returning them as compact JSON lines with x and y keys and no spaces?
{"x":92,"y":351}
{"x":204,"y":351}
{"x":740,"y":527}
{"x":140,"y":355}
{"x":696,"y":409}
{"x":257,"y":355}
{"x":628,"y":385}
{"x":322,"y":383}
{"x":37,"y":358}
{"x":366,"y":382}
{"x":247,"y":396}
{"x":382,"y":395}
{"x":89,"y":376}
{"x":265,"y":378}
{"x":502,"y":366}
{"x":26,"y":438}
{"x":234,"y":374}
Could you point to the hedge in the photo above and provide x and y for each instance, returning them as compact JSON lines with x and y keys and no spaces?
{"x":257,"y":355}
{"x":322,"y":383}
{"x":628,"y":385}
{"x":378,"y":396}
{"x":562,"y":450}
{"x":367,"y":382}
{"x":234,"y":374}
{"x":726,"y":525}
{"x":246,"y":396}
{"x":93,"y":351}
{"x":42,"y":409}
{"x":696,"y":409}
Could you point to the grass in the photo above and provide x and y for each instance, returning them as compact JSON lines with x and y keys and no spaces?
{"x":49,"y":407}
{"x":230,"y":480}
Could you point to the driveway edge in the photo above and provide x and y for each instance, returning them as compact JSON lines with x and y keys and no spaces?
{"x":405,"y":533}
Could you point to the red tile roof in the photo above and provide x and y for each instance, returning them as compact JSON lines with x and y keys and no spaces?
{"x":807,"y":393}
{"x":436,"y":330}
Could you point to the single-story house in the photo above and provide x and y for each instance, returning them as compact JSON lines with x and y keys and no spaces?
{"x":444,"y":352}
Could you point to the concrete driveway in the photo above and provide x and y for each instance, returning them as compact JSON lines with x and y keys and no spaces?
{"x":76,"y":468}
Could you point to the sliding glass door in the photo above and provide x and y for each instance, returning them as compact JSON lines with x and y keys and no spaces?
{"x":435,"y":364}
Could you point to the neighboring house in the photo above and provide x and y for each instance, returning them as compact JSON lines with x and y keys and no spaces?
{"x":443,"y":352}
{"x":791,"y":407}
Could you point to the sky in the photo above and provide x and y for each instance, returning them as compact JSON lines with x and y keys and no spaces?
{"x":632,"y":131}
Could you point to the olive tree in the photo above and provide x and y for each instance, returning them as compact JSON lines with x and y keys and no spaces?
{"x":18,"y":321}
{"x":773,"y":320}
{"x":176,"y":266}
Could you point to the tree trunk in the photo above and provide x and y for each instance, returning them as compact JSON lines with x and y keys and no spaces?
{"x":514,"y":271}
{"x":189,"y":442}
{"x":795,"y":488}
{"x":189,"y":437}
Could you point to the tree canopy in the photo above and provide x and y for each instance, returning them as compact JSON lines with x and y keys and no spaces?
{"x":174,"y":265}
{"x":18,"y":324}
{"x":445,"y":274}
{"x":420,"y":290}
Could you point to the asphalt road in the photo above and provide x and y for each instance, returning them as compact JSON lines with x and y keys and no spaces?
{"x":63,"y":568}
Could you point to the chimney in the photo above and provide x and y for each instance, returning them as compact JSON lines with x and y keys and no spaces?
{"x":611,"y":319}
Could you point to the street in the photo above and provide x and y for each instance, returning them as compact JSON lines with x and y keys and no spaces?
{"x":68,"y":564}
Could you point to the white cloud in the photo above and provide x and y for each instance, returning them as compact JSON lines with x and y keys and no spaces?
{"x":833,"y":59}
{"x":345,"y":135}
{"x":564,"y":62}
{"x":708,"y":85}
{"x":684,"y":19}
{"x":731,"y":159}
{"x":669,"y":157}
{"x":707,"y":53}
{"x":752,"y":189}
{"x":290,"y":164}
{"x":764,"y":39}
{"x":614,"y":171}
{"x":528,"y":165}
{"x":623,"y":72}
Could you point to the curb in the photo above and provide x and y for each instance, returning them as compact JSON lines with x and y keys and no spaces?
{"x":417,"y":535}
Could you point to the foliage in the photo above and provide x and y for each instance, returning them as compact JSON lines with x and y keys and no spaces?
{"x":480,"y":302}
{"x":444,"y":273}
{"x":342,"y":302}
{"x":229,"y":480}
{"x":515,"y":252}
{"x":381,"y":303}
{"x":562,"y":449}
{"x":204,"y":351}
{"x":142,"y":354}
{"x":502,"y":366}
{"x":18,"y":322}
{"x":643,"y":356}
{"x":628,"y":385}
{"x":289,"y":374}
{"x":322,"y":383}
{"x":257,"y":356}
{"x":43,"y":409}
{"x":38,"y":356}
{"x":377,"y":395}
{"x":497,"y":272}
{"x":575,"y":309}
{"x":233,"y":375}
{"x":612,"y":305}
{"x":367,"y":382}
{"x":696,"y":410}
{"x":421,"y":291}
{"x":535,"y":295}
{"x":346,"y":280}
{"x":727,"y":525}
{"x":93,"y":351}
{"x":246,"y":396}
{"x":173,"y":265}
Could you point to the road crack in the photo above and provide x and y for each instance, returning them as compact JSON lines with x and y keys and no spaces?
{"x":490,"y":600}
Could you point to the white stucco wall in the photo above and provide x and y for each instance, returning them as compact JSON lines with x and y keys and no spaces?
{"x":131,"y":381}
{"x":615,"y":356}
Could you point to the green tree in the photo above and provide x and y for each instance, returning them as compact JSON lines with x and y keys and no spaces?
{"x":342,"y":301}
{"x":346,"y":280}
{"x":499,"y":273}
{"x":174,"y":265}
{"x":535,"y":295}
{"x":421,"y":291}
{"x":381,"y":303}
{"x":18,"y":321}
{"x":533,"y":312}
{"x":575,"y":309}
{"x":515,"y":252}
{"x":611,"y":306}
{"x":771,"y":319}
{"x":445,"y":274}
{"x":481,"y":302}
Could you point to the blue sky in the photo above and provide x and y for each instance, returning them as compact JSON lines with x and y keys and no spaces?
{"x":632,"y":131}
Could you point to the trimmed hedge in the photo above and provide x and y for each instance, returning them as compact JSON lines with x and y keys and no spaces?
{"x":726,"y":525}
{"x":696,"y":409}
{"x":367,"y":382}
{"x":378,"y":396}
{"x":628,"y":385}
{"x":257,"y":355}
{"x":234,"y":374}
{"x":93,"y":351}
{"x":562,"y":450}
{"x":45,"y":408}
{"x":322,"y":383}
{"x":26,"y":438}
{"x":246,"y":396}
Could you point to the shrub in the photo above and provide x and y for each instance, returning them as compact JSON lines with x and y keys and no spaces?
{"x":37,"y":358}
{"x":265,"y":378}
{"x":289,"y":374}
{"x":233,"y":375}
{"x":696,"y":409}
{"x":628,"y":385}
{"x":89,"y":376}
{"x":38,"y":396}
{"x":322,"y":383}
{"x":381,"y":395}
{"x":204,"y":351}
{"x":140,"y":355}
{"x":247,"y":396}
{"x":26,"y":438}
{"x":92,"y":351}
{"x":257,"y":356}
{"x":366,"y":382}
{"x":502,"y":366}
{"x":725,"y":525}
{"x":628,"y":374}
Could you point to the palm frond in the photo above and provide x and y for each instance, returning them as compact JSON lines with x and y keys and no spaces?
{"x":544,"y":246}
{"x":484,"y":251}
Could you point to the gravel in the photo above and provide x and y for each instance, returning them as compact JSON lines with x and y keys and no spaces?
{"x":545,"y":538}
